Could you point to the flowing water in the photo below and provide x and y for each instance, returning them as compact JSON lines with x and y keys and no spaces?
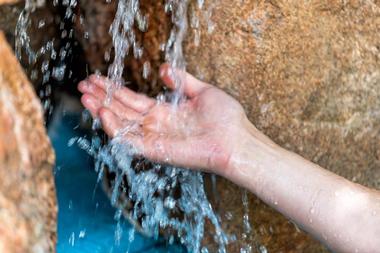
{"x":160,"y":193}
{"x":154,"y":192}
{"x":47,"y":61}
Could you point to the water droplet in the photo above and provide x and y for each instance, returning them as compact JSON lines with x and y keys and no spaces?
{"x":41,"y":23}
{"x":263,"y":249}
{"x":82,"y":233}
{"x":59,"y":72}
{"x":169,"y":203}
{"x":146,"y":70}
{"x":72,"y":141}
{"x":204,"y":250}
{"x":229,"y":215}
{"x":72,"y":239}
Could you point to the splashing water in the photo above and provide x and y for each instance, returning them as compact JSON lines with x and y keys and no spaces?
{"x":23,"y":40}
{"x":160,"y":193}
{"x":22,"y":37}
{"x":174,"y":52}
{"x":123,"y":39}
{"x":153,"y":192}
{"x":46,"y":60}
{"x":246,"y":224}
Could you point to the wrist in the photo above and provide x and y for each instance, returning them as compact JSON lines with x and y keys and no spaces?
{"x":252,"y":156}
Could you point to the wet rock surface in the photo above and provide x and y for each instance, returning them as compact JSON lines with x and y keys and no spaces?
{"x":308,"y":75}
{"x":27,"y":194}
{"x":92,"y":31}
{"x":9,"y":12}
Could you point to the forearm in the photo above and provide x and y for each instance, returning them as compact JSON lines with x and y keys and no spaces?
{"x":344,"y":215}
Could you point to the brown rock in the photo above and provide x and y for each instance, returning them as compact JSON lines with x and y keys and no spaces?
{"x":27,"y":195}
{"x":9,"y":12}
{"x":308,"y":75}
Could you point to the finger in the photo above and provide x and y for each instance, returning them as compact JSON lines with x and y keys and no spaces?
{"x":174,"y":77}
{"x":82,"y":86}
{"x":118,"y":108}
{"x":111,"y":124}
{"x":115,"y":128}
{"x":89,"y":88}
{"x":92,"y":104}
{"x":138,"y":102}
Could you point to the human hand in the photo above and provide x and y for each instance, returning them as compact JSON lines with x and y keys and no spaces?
{"x":201,"y":133}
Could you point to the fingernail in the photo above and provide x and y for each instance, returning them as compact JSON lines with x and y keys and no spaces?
{"x":82,"y":85}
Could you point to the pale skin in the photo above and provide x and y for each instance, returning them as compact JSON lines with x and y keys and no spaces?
{"x":210,"y":131}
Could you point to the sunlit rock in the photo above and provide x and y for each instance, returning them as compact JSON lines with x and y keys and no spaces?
{"x":27,"y":194}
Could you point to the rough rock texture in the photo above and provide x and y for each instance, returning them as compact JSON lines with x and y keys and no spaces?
{"x":308,"y":75}
{"x":27,"y":195}
{"x":9,"y":12}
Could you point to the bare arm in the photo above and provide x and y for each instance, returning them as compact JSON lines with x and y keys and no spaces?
{"x":209,"y":130}
{"x":343,"y":215}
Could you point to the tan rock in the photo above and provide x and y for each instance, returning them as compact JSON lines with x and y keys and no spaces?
{"x":8,"y":1}
{"x":27,"y":195}
{"x":308,"y":75}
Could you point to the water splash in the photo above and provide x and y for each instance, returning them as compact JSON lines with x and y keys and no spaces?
{"x":123,"y":39}
{"x":157,"y":194}
{"x":22,"y":38}
{"x":247,"y":248}
{"x":162,"y":197}
{"x":45,"y":61}
{"x":173,"y":49}
{"x":21,"y":33}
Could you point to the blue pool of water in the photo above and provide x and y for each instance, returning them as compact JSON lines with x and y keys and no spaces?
{"x":86,"y":221}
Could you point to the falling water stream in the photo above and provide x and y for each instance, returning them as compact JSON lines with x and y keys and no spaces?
{"x":153,"y":192}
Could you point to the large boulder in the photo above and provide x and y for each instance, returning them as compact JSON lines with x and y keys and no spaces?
{"x":27,"y":195}
{"x":307,"y":73}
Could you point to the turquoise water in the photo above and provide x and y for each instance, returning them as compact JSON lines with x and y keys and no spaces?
{"x":86,"y":219}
